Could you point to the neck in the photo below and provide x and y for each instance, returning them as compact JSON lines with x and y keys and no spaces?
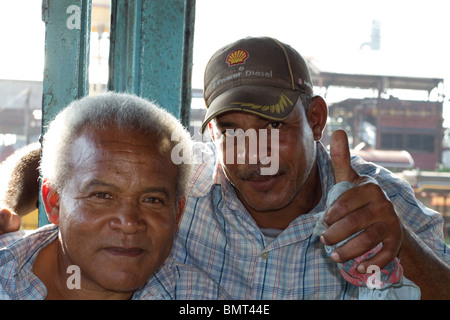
{"x":303,"y":202}
{"x":51,"y":269}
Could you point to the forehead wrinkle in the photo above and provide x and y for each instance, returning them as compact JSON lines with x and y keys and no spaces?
{"x":99,"y":183}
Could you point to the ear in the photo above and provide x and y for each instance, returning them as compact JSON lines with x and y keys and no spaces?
{"x":180,"y":209}
{"x":50,"y":198}
{"x":211,"y":131}
{"x":317,"y":116}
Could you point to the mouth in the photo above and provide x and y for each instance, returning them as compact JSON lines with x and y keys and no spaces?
{"x":125,"y":252}
{"x":261,"y":183}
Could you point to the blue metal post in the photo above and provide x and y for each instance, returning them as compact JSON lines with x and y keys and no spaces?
{"x":151,"y":51}
{"x":67,"y":36}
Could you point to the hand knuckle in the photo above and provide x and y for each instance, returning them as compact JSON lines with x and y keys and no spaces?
{"x":369,"y":238}
{"x":356,"y":220}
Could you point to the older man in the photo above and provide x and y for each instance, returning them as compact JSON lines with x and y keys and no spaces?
{"x":113,"y":195}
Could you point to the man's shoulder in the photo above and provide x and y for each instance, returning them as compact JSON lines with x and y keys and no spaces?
{"x":21,"y":244}
{"x":17,"y":260}
{"x":178,"y":281}
{"x":7,"y":239}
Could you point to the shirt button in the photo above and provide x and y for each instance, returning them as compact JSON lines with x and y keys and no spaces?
{"x":264,"y":255}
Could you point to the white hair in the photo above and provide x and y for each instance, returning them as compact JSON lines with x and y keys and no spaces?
{"x":124,"y":111}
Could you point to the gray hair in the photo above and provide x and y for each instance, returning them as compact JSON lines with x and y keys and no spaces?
{"x":125,"y":111}
{"x":306,"y":99}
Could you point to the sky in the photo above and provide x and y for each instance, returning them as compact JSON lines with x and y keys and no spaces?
{"x":414,"y":34}
{"x":415,"y":37}
{"x":22,"y":39}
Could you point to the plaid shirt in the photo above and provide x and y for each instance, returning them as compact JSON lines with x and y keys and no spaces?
{"x":17,"y":281}
{"x":218,"y":235}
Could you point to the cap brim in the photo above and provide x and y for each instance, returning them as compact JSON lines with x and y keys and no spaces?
{"x":268,"y":102}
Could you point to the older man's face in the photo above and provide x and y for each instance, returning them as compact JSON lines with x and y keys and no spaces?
{"x":117,"y":212}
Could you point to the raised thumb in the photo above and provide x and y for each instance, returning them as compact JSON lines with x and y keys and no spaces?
{"x":340,"y":157}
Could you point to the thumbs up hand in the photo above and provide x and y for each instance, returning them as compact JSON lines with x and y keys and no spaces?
{"x":364,"y":208}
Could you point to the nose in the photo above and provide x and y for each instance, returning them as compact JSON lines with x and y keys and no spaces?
{"x":128,"y":218}
{"x":241,"y":146}
{"x":255,"y":147}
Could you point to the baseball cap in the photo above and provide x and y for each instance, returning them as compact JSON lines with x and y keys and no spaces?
{"x":259,"y":75}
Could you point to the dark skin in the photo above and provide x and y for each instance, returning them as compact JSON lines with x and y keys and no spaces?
{"x":275,"y":202}
{"x":371,"y":210}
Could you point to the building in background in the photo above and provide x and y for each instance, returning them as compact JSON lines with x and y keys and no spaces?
{"x":394,"y":124}
{"x":20,"y":114}
{"x":405,"y":136}
{"x":389,"y":123}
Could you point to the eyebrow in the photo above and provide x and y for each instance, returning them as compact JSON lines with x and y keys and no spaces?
{"x":100,"y":183}
{"x":221,"y":123}
{"x":162,"y":190}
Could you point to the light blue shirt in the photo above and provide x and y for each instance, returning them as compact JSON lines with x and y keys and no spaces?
{"x":219,"y":236}
{"x":18,"y":282}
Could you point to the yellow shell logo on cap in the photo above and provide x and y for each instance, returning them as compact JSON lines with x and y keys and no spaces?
{"x":237,"y":56}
